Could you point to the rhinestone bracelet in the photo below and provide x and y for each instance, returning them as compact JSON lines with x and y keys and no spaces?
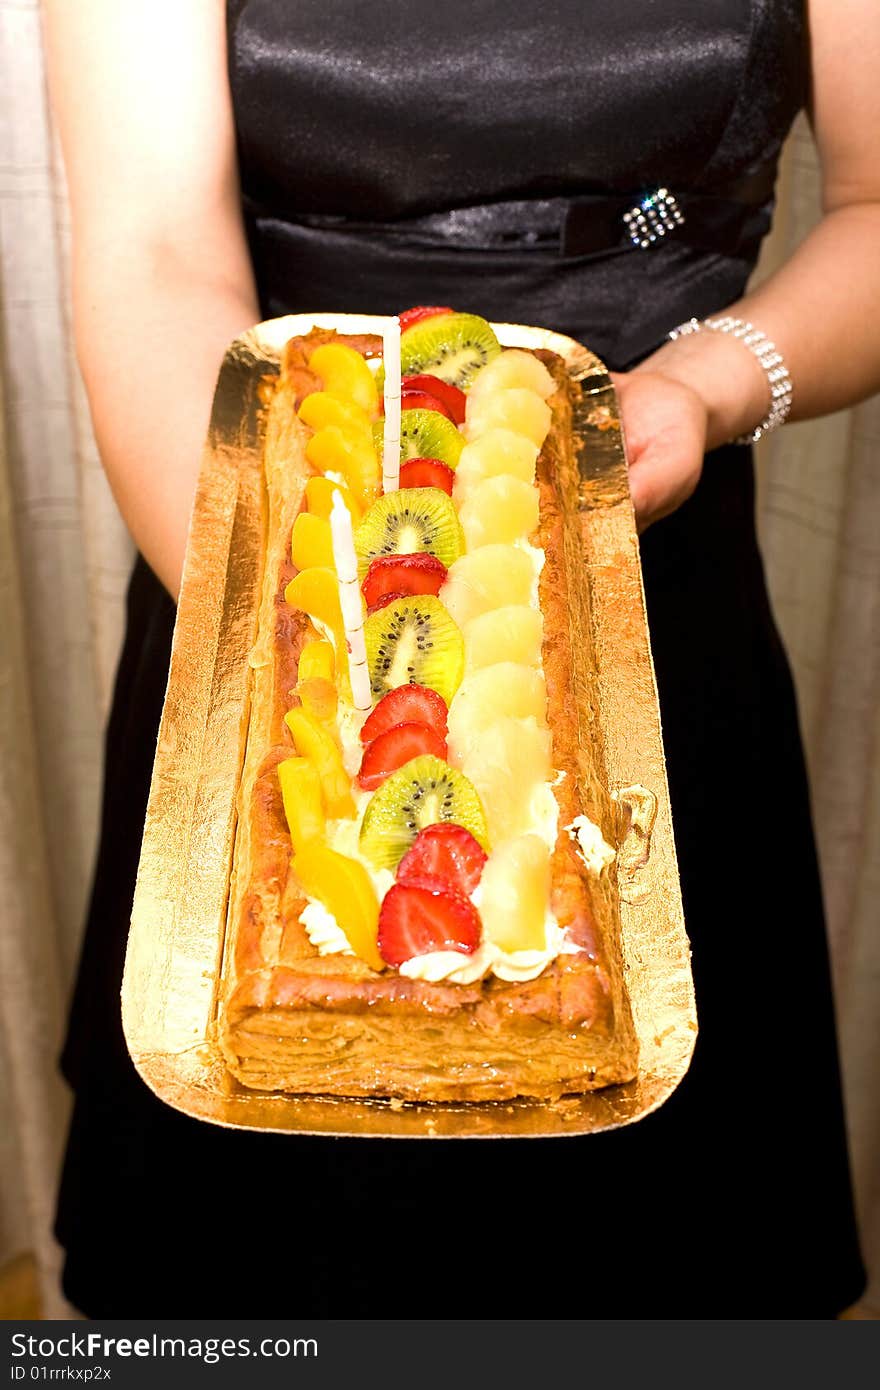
{"x":768,"y":356}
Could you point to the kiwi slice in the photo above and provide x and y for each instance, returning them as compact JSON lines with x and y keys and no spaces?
{"x":451,"y":346}
{"x":424,"y":434}
{"x":409,"y":520}
{"x":423,"y":792}
{"x":414,"y":641}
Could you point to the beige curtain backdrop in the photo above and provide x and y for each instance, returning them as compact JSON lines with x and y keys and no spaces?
{"x":819,"y":522}
{"x":64,"y":561}
{"x":64,"y":558}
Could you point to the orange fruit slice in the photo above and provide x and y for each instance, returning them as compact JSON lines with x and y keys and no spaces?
{"x":315,"y":684}
{"x":345,"y":888}
{"x":319,"y":499}
{"x":344,"y":372}
{"x":311,"y":543}
{"x":321,"y":409}
{"x":316,"y":591}
{"x":315,"y":742}
{"x":316,"y":659}
{"x":303,"y":801}
{"x":331,"y":450}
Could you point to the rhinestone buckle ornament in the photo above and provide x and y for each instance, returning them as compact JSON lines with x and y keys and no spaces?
{"x":657,"y":214}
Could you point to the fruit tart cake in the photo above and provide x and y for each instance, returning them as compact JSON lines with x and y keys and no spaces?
{"x":413,"y":886}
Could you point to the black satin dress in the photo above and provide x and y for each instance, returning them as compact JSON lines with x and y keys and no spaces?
{"x":359,"y":129}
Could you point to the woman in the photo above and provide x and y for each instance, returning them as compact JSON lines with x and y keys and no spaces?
{"x":230,"y":163}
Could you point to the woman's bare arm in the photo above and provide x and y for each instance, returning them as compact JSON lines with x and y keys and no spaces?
{"x":822,"y":308}
{"x":162,"y":276}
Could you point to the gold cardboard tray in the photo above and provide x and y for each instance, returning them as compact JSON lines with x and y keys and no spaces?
{"x":175,"y":948}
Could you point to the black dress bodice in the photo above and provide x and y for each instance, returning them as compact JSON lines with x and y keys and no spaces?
{"x":409,"y":107}
{"x":353,"y":123}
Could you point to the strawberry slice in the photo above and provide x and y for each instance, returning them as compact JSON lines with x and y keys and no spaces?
{"x":420,"y":472}
{"x":444,"y":391}
{"x":403,"y":574}
{"x":383,"y":601}
{"x":396,"y":746}
{"x":415,"y":918}
{"x":421,"y":311}
{"x":420,"y":400}
{"x":445,"y":854}
{"x":408,"y":704}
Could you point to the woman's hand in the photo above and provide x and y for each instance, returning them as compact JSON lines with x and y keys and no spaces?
{"x":822,"y":307}
{"x":689,"y":396}
{"x":665,"y":425}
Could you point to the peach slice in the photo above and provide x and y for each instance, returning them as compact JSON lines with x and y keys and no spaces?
{"x":316,"y":660}
{"x":344,"y":887}
{"x":315,"y":684}
{"x":319,"y":697}
{"x":319,"y":499}
{"x":332,"y":450}
{"x":303,"y":801}
{"x":311,"y":542}
{"x":344,"y":372}
{"x":320,"y":409}
{"x":316,"y":591}
{"x":313,"y":741}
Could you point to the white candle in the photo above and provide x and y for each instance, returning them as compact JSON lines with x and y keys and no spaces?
{"x":391,"y":440}
{"x":350,"y":602}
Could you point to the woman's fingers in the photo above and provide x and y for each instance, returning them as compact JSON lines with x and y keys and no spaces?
{"x":664,"y":426}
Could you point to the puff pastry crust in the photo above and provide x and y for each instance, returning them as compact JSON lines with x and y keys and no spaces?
{"x":290,"y":1019}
